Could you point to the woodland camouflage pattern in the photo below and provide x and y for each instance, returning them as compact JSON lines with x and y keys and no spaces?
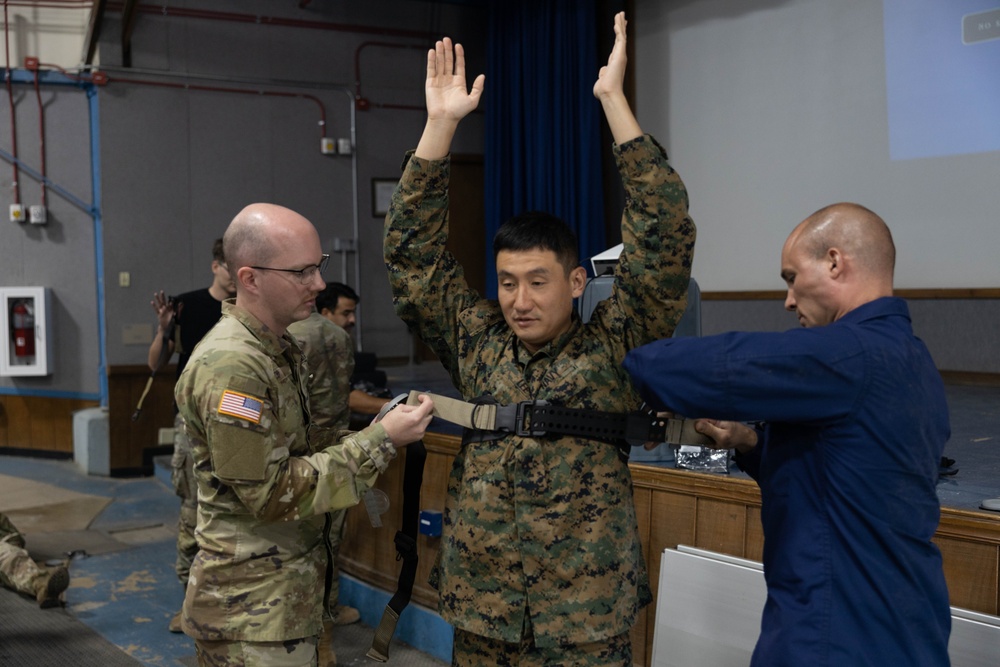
{"x":263,"y":488}
{"x":546,"y":525}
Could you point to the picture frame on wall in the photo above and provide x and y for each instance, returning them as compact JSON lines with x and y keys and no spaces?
{"x":381,"y":195}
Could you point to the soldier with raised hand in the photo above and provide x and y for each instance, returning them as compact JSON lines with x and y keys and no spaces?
{"x":266,"y":477}
{"x":540,"y":559}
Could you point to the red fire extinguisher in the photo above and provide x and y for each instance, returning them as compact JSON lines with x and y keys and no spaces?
{"x":24,"y":330}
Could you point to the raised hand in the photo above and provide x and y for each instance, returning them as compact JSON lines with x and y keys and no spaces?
{"x":445,"y":90}
{"x":610,"y":89}
{"x":611,"y":78}
{"x":448,"y":98}
{"x":163,"y":308}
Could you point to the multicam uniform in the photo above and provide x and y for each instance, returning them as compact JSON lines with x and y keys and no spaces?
{"x":198,"y":311}
{"x":265,"y":484}
{"x":329,"y":354}
{"x":17,"y":569}
{"x":546,"y":526}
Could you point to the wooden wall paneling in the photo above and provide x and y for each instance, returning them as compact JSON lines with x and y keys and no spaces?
{"x":18,"y":422}
{"x":720,"y":526}
{"x":677,"y":507}
{"x":129,"y":438}
{"x":42,"y":431}
{"x":39,"y":423}
{"x":971,"y":571}
{"x":753,"y":547}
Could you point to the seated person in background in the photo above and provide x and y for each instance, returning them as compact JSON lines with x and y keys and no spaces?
{"x":339,"y":303}
{"x":19,"y":572}
{"x":328,"y":351}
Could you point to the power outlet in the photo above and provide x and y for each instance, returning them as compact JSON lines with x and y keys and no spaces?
{"x":37,"y":215}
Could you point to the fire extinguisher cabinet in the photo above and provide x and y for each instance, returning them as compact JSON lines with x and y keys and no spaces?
{"x":25,"y":315}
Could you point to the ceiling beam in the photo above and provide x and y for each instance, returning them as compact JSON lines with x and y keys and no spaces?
{"x":93,"y":32}
{"x":129,"y":12}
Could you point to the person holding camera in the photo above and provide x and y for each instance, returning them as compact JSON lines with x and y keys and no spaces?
{"x":182,"y":322}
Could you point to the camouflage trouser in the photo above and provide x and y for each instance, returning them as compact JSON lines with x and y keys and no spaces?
{"x":471,"y":650}
{"x":291,"y":653}
{"x":336,"y":537}
{"x":186,"y":487}
{"x":17,"y":570}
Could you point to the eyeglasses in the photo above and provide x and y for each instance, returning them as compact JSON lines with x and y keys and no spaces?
{"x":305,"y":275}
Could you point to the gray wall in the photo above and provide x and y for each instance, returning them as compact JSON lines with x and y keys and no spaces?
{"x":61,"y":254}
{"x":961,"y":334}
{"x":177,"y":165}
{"x":180,"y":164}
{"x":771,"y":109}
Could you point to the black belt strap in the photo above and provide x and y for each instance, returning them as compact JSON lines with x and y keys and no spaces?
{"x":540,"y":418}
{"x":406,"y":551}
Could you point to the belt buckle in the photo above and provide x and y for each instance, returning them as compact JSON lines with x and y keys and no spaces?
{"x":524,"y":422}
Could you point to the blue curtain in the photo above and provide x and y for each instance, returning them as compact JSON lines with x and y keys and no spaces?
{"x":543,"y":129}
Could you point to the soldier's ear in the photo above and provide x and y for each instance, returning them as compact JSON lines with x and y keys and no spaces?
{"x":578,"y":281}
{"x":246,"y":279}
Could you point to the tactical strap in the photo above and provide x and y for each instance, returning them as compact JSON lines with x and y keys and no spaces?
{"x":539,"y":418}
{"x":406,"y":551}
{"x":165,"y":354}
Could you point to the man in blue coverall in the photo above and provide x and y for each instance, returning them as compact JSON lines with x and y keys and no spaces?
{"x":853,"y":423}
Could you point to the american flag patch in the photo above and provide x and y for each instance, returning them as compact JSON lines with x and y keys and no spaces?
{"x":240,"y":405}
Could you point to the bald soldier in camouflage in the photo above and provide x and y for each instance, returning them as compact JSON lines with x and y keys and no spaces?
{"x":267,"y":478}
{"x":540,"y":560}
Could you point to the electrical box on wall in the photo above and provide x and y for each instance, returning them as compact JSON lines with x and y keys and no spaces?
{"x":25,"y":334}
{"x":37,"y":214}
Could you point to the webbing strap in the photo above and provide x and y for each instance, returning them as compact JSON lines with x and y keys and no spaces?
{"x":538,"y":418}
{"x":406,"y":551}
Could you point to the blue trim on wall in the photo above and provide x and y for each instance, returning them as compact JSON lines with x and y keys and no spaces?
{"x":418,"y":626}
{"x":48,"y":393}
{"x":93,"y":210}
{"x":95,"y":181}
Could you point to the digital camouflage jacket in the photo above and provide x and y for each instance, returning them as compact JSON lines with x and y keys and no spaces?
{"x":545,"y":526}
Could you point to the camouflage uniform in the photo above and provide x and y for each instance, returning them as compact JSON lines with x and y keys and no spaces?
{"x":17,"y":569}
{"x":543,"y":526}
{"x":186,"y":488}
{"x":329,"y":354}
{"x":266,"y":484}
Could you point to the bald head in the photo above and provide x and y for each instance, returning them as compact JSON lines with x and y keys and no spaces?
{"x":267,"y":247}
{"x":261,"y":232}
{"x":858,"y":232}
{"x":837,"y":259}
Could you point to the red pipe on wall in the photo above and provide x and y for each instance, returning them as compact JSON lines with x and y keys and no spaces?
{"x":241,"y":91}
{"x":277,"y":21}
{"x":10,"y":100}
